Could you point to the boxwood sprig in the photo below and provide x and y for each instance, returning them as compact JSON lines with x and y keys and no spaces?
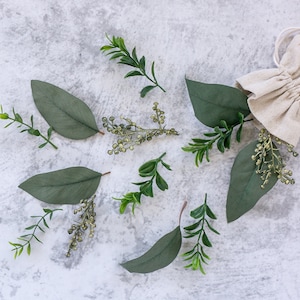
{"x":197,"y":255}
{"x":221,"y":135}
{"x":118,"y":50}
{"x":148,"y":169}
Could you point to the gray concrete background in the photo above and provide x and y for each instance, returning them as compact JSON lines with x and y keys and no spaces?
{"x":256,"y":257}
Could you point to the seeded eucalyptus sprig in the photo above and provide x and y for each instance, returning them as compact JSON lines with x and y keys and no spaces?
{"x":27,"y":238}
{"x":29,"y":128}
{"x":197,"y":255}
{"x":148,"y":169}
{"x":269,"y":160}
{"x":86,"y":221}
{"x":221,"y":135}
{"x":119,"y":51}
{"x":130,"y":134}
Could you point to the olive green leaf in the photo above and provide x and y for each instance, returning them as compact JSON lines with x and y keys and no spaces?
{"x":162,"y":253}
{"x":245,"y":184}
{"x":66,"y":114}
{"x":215,"y":102}
{"x":66,"y":186}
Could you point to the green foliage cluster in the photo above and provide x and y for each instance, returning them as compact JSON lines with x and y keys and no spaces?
{"x":26,"y":239}
{"x":148,"y":169}
{"x":118,"y":50}
{"x":86,"y":221}
{"x":221,"y":135}
{"x":29,"y":128}
{"x":130,"y":134}
{"x":197,"y":255}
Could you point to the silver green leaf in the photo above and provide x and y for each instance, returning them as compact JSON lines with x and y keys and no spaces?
{"x":245,"y":185}
{"x":162,"y":253}
{"x":66,"y":114}
{"x":66,"y":186}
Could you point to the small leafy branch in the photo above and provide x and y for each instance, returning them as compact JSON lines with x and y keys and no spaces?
{"x":86,"y":221}
{"x":196,"y":255}
{"x":222,"y":136}
{"x":269,"y":160}
{"x":29,"y":128}
{"x":27,"y":238}
{"x":148,"y":169}
{"x":119,"y":51}
{"x":131,"y":134}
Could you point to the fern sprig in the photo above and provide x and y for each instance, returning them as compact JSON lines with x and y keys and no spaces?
{"x":27,"y":238}
{"x":118,"y":50}
{"x":197,"y":256}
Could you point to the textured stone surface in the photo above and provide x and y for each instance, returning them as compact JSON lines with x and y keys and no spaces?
{"x":256,"y":257}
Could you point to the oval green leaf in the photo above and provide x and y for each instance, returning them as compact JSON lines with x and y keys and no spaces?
{"x":244,"y":189}
{"x":67,"y":186}
{"x":162,"y":253}
{"x":215,"y":102}
{"x":66,"y":114}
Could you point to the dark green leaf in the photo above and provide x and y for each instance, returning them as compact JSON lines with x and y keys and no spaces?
{"x":43,"y":145}
{"x":160,"y":182}
{"x":45,"y":223}
{"x":148,"y":168}
{"x":133,"y":73}
{"x":33,"y":132}
{"x":116,"y":55}
{"x":205,"y":240}
{"x":134,"y":56}
{"x":153,"y":72}
{"x":198,"y":212}
{"x":210,"y":213}
{"x":66,"y":114}
{"x":245,"y":185}
{"x":146,"y":89}
{"x":210,"y":134}
{"x":193,"y":226}
{"x":143,"y":63}
{"x":147,"y":189}
{"x":220,"y":145}
{"x":67,"y":186}
{"x":49,"y":132}
{"x":239,"y":133}
{"x":215,"y":102}
{"x":30,"y":227}
{"x":211,"y":228}
{"x":125,"y":60}
{"x":162,"y":253}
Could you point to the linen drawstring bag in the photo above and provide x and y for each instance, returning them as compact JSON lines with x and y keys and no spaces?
{"x":274,"y":94}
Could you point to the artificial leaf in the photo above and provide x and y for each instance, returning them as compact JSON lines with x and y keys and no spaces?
{"x":66,"y":186}
{"x":66,"y":114}
{"x":215,"y":102}
{"x":146,"y":89}
{"x":160,"y":182}
{"x":162,"y":253}
{"x":133,"y":73}
{"x":245,"y":185}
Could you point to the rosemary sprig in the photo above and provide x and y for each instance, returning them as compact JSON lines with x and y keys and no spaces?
{"x":197,"y":255}
{"x":221,"y":135}
{"x":27,"y":238}
{"x":118,"y":50}
{"x":130,"y":134}
{"x":148,"y":169}
{"x":29,"y":127}
{"x":269,"y":160}
{"x":86,"y":221}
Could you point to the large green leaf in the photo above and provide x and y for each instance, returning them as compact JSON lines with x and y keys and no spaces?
{"x":66,"y":114}
{"x":67,"y":186}
{"x":215,"y":102}
{"x":245,"y":185}
{"x":162,"y":253}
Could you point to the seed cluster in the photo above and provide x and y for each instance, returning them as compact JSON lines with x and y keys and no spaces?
{"x":87,"y":220}
{"x":130,"y":134}
{"x":269,"y":160}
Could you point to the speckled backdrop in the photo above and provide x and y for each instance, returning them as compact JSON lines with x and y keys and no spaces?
{"x":256,"y":257}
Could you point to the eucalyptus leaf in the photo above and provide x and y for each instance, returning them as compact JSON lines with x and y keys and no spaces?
{"x":215,"y":102}
{"x":245,"y":185}
{"x":162,"y":253}
{"x":66,"y":114}
{"x":66,"y":186}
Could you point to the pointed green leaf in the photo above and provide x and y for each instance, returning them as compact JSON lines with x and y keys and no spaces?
{"x":215,"y":102}
{"x":147,"y":189}
{"x":162,"y":253}
{"x":210,"y":213}
{"x":160,"y":182}
{"x":245,"y":185}
{"x":146,"y":89}
{"x":193,"y":226}
{"x":205,"y":240}
{"x":66,"y":114}
{"x":133,"y":73}
{"x":148,"y":168}
{"x":30,"y":227}
{"x":66,"y":186}
{"x":211,"y":228}
{"x":153,"y":72}
{"x":198,"y":212}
